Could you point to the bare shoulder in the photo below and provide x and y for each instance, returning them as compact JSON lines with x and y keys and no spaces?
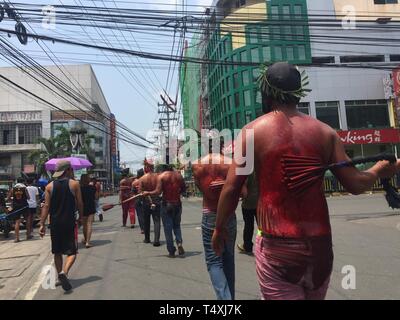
{"x":49,"y":187}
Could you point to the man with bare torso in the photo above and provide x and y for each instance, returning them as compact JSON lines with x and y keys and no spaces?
{"x":151,"y":204}
{"x":171,"y":184}
{"x":294,"y":245}
{"x":209,"y":174}
{"x":124,"y":194}
{"x":138,"y":201}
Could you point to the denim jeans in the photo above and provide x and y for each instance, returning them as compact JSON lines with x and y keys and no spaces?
{"x":155,"y":214}
{"x":171,"y":218}
{"x":139,"y":212}
{"x":221,"y":269}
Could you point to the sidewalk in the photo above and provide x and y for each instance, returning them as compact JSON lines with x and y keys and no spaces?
{"x":21,"y":264}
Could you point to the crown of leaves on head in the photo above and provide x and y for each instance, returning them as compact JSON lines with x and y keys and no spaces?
{"x":280,"y":94}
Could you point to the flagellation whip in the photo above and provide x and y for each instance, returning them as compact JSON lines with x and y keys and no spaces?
{"x":109,"y":206}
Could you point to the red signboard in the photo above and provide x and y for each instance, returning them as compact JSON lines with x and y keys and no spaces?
{"x":396,"y":82}
{"x":369,"y":136}
{"x":113,"y":135}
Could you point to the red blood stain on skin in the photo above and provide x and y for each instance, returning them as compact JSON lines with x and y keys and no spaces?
{"x":282,"y":212}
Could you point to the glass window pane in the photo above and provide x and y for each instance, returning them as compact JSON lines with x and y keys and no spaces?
{"x":238,"y":120}
{"x":297,"y":11}
{"x":290,"y":53}
{"x":255,"y":57}
{"x":247,"y":98}
{"x":236,"y":80}
{"x":246,"y":79}
{"x":237,"y":100}
{"x":243,"y":56}
{"x":274,"y":12}
{"x":264,"y":34}
{"x":278,"y":53}
{"x":302,"y":52}
{"x":266,"y":51}
{"x":248,"y":116}
{"x":286,"y":12}
{"x":364,"y":115}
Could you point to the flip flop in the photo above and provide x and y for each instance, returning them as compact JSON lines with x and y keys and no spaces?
{"x":88,"y":245}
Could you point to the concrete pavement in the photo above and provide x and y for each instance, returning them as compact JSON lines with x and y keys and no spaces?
{"x":120,"y":266}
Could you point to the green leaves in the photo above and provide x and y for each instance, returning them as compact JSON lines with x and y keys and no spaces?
{"x":277,"y":93}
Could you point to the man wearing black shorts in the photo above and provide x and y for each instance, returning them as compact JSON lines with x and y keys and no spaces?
{"x":62,"y":197}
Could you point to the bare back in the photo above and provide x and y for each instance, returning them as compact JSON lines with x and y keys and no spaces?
{"x":211,"y":168}
{"x":172,"y":186}
{"x":148,"y":182}
{"x":280,"y":212}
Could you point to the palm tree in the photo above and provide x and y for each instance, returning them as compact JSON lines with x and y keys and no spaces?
{"x":51,"y":148}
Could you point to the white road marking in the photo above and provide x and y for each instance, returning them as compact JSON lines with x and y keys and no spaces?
{"x":34,"y":289}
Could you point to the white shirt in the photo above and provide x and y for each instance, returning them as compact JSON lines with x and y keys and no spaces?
{"x":33,"y":192}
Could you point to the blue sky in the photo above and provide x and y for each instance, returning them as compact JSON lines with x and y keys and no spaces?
{"x":132,"y":97}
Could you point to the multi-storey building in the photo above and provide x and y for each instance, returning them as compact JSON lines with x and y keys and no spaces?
{"x":23,"y":119}
{"x":332,"y":40}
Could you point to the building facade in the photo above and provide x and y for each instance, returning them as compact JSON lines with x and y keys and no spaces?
{"x":317,"y":35}
{"x":23,"y":119}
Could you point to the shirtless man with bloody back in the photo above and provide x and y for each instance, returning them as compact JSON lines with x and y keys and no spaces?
{"x":209,"y":174}
{"x":151,"y":204}
{"x":171,"y":184}
{"x":294,"y":246}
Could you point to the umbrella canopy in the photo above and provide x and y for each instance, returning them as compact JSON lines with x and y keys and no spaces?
{"x":76,"y":163}
{"x":43,"y":182}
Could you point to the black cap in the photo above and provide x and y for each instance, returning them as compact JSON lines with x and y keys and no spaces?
{"x":284,"y":76}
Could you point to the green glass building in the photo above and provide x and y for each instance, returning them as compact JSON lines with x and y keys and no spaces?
{"x":267,"y":31}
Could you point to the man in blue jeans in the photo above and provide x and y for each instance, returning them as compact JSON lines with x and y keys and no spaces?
{"x":209,"y":174}
{"x":171,"y":184}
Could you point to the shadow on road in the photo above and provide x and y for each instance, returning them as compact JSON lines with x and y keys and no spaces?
{"x":76,"y":283}
{"x":98,"y":243}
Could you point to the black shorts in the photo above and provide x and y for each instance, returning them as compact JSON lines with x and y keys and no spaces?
{"x":64,"y":240}
{"x":18,"y":214}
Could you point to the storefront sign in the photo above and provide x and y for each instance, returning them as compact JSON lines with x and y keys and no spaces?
{"x":396,"y":81}
{"x":369,"y":136}
{"x":20,"y":116}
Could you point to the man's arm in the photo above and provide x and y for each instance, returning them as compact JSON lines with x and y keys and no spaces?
{"x":229,"y":198}
{"x":157,"y":191}
{"x":353,"y":180}
{"x":78,"y":198}
{"x":45,"y":210}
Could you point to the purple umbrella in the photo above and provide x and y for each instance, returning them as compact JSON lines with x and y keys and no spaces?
{"x":76,"y":163}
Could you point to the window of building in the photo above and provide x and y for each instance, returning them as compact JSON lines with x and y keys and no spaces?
{"x":253,"y":33}
{"x":99,"y":154}
{"x":235,"y":60}
{"x":238,"y":120}
{"x":385,"y":1}
{"x":276,"y":32}
{"x":286,"y":12}
{"x":297,"y":10}
{"x":328,"y":112}
{"x":395,"y":57}
{"x":304,"y":107}
{"x":246,"y":78}
{"x":255,"y":56}
{"x":299,"y":32}
{"x":259,"y":112}
{"x":275,"y":12}
{"x":29,"y":133}
{"x":243,"y":56}
{"x":8,"y":134}
{"x":231,"y":123}
{"x":323,"y":59}
{"x":364,"y":58}
{"x":264,"y":34}
{"x":256,"y":74}
{"x":258,"y":97}
{"x":236,"y":80}
{"x":287,"y":32}
{"x":278,"y":53}
{"x":367,"y":114}
{"x":248,"y":116}
{"x":228,"y":103}
{"x":247,"y":98}
{"x":301,"y":52}
{"x":290,"y":53}
{"x":237,"y":100}
{"x":227,"y":84}
{"x":266,"y":52}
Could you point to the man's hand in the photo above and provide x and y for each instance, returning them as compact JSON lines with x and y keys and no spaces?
{"x":42,"y":230}
{"x":145,"y":194}
{"x":218,"y":241}
{"x":386,"y":169}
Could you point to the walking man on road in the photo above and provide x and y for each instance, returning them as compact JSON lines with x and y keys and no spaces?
{"x":62,"y":198}
{"x":293,"y":251}
{"x":249,"y":211}
{"x":171,"y":184}
{"x":209,"y":174}
{"x":138,"y":201}
{"x":33,"y":200}
{"x":125,"y":193}
{"x":151,"y":204}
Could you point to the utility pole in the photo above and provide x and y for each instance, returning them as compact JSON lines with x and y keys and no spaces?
{"x":167,"y":108}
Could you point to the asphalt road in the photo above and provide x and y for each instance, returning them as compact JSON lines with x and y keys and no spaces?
{"x":120,"y":266}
